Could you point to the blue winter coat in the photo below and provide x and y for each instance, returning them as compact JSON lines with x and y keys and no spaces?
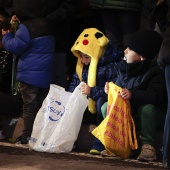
{"x":107,"y":71}
{"x":36,"y":53}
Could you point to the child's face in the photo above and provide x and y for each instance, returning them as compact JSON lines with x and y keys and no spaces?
{"x":85,"y":59}
{"x":131,"y":57}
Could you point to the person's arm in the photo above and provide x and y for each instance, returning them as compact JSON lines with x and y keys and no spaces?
{"x":18,"y":42}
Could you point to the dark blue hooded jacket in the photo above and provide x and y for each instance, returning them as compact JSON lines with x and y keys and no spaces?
{"x":107,"y":71}
{"x":34,"y":46}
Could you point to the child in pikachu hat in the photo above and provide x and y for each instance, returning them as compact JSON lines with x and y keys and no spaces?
{"x":96,"y":56}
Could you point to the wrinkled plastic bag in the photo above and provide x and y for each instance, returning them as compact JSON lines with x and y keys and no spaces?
{"x":58,"y":121}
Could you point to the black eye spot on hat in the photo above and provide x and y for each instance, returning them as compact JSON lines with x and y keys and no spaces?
{"x":98,"y":35}
{"x":86,"y":35}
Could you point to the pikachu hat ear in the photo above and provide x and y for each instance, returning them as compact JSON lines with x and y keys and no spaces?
{"x":103,"y":40}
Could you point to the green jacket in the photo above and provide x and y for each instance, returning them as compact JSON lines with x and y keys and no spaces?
{"x":133,"y":5}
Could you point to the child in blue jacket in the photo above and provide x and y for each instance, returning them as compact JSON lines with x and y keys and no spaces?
{"x":34,"y":46}
{"x":97,"y":62}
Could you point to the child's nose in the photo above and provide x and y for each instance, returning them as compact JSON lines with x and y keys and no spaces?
{"x":83,"y":61}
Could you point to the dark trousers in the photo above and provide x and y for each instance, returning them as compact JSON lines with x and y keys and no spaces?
{"x":89,"y":118}
{"x":97,"y":145}
{"x":100,"y":102}
{"x":166,"y":137}
{"x":96,"y":118}
{"x":118,"y":23}
{"x":32,"y":98}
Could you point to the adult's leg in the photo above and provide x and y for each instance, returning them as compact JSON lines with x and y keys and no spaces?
{"x":129,"y":21}
{"x":166,"y":136}
{"x":118,"y":23}
{"x":110,"y":20}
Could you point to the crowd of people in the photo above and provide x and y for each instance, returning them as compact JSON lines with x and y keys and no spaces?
{"x":41,"y":40}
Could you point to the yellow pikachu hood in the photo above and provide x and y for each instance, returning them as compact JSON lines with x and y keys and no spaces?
{"x":93,"y":43}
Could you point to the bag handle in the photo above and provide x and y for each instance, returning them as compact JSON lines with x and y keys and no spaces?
{"x":131,"y":130}
{"x":114,"y":87}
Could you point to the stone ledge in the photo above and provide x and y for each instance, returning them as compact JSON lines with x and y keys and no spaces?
{"x":84,"y":141}
{"x":85,"y":154}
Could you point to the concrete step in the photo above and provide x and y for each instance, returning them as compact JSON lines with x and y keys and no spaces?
{"x":12,"y":149}
{"x":84,"y":141}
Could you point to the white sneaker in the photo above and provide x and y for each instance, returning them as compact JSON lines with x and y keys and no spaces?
{"x":2,"y":135}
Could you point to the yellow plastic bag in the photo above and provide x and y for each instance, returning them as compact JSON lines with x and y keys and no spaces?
{"x":117,"y":130}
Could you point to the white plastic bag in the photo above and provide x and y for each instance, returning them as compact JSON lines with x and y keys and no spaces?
{"x":58,"y":122}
